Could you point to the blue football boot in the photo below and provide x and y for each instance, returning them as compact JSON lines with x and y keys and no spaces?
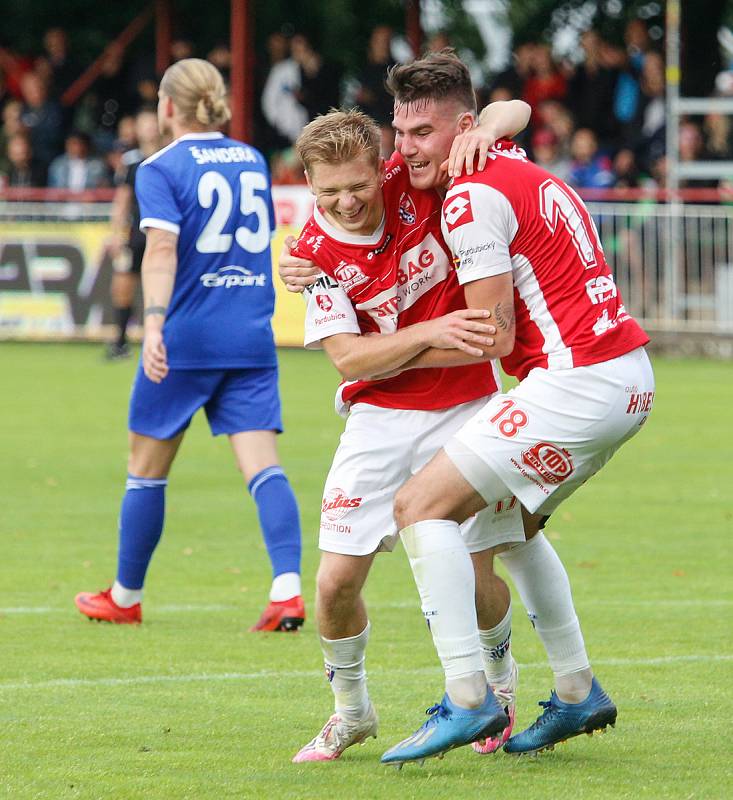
{"x":560,"y":721}
{"x":449,"y":726}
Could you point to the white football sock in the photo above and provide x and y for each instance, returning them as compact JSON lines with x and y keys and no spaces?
{"x":344,"y":661}
{"x":285,"y":586}
{"x":543,"y":585}
{"x":444,"y":576}
{"x":575,"y":687}
{"x":496,"y":651}
{"x":125,"y":598}
{"x":468,"y":691}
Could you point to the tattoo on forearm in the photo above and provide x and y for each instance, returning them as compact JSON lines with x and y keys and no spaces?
{"x":150,"y":310}
{"x":504,"y":316}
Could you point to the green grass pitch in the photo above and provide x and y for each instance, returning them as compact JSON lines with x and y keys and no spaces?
{"x":189,"y":706}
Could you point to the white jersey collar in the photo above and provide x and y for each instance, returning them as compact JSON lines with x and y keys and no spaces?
{"x":202,"y":135}
{"x":348,"y":238}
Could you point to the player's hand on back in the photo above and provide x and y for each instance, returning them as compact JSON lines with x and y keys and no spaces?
{"x":155,"y":357}
{"x":468,"y":330}
{"x":296,"y":273}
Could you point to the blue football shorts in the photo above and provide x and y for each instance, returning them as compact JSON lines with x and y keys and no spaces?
{"x":235,"y":400}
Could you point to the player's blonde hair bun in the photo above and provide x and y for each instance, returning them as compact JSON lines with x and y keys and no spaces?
{"x":198,"y":91}
{"x":212,"y":110}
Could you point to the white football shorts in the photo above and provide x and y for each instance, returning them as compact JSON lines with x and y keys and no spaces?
{"x":379,"y":450}
{"x":541,"y":440}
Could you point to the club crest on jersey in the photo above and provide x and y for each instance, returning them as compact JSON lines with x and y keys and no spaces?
{"x":324,"y":302}
{"x":349,"y":275}
{"x":553,"y":464}
{"x":406,"y":209}
{"x":336,"y":504}
{"x":457,"y":210}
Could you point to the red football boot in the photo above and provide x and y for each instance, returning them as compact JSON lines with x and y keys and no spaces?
{"x":102,"y":607}
{"x":284,"y":615}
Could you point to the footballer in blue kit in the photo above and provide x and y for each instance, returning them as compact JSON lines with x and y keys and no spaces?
{"x":206,"y":208}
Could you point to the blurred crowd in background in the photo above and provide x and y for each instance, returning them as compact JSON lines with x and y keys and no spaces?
{"x":598,"y":124}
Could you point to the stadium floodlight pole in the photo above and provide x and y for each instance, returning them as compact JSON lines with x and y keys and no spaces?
{"x":163,"y":35}
{"x":674,"y":205}
{"x":413,"y":29}
{"x":242,"y":74}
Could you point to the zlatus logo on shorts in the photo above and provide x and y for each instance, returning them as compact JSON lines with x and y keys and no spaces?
{"x":336,"y":504}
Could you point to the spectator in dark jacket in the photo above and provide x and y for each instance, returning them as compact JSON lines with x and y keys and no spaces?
{"x":647,"y":130}
{"x":372,"y":96}
{"x":22,"y":168}
{"x":591,"y":91}
{"x":320,"y":82}
{"x":43,"y":118}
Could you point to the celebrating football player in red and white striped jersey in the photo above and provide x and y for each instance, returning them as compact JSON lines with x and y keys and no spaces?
{"x":525,"y":248}
{"x":387,"y":292}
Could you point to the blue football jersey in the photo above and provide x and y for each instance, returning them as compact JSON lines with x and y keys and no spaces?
{"x":214,"y":193}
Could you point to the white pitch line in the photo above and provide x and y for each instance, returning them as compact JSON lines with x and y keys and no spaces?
{"x":582,"y":603}
{"x":192,"y":607}
{"x":169,"y":609}
{"x":141,"y":680}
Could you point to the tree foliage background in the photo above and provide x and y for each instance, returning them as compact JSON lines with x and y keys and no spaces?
{"x":340,"y":28}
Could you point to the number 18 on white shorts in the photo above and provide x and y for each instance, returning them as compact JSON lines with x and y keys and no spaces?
{"x":543,"y":439}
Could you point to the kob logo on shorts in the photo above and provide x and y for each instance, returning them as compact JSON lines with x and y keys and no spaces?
{"x":336,"y":504}
{"x":553,"y":464}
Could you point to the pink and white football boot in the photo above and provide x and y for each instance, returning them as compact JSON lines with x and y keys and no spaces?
{"x":506,"y":695}
{"x":336,"y":735}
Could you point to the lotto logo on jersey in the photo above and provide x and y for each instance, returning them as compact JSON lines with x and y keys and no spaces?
{"x":324,"y":302}
{"x":336,"y":504}
{"x":457,"y":210}
{"x":406,"y":209}
{"x":553,"y":464}
{"x":349,"y":275}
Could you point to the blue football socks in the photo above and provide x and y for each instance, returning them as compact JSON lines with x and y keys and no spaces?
{"x":279,"y":519}
{"x":141,"y":524}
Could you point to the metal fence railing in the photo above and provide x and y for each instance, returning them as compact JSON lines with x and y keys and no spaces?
{"x":686,"y":284}
{"x":675,"y":282}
